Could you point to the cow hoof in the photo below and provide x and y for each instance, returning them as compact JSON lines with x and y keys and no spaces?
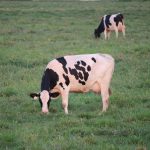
{"x":66,"y":113}
{"x":101,"y":113}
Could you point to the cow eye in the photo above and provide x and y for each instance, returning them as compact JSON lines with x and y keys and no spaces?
{"x":48,"y":102}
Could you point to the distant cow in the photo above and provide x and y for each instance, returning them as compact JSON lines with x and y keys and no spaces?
{"x":110,"y":23}
{"x":77,"y":73}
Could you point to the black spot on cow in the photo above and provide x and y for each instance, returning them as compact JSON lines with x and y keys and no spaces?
{"x":100,"y":29}
{"x":63,"y":61}
{"x":118,"y":18}
{"x":67,"y":81}
{"x":78,"y":62}
{"x":61,"y":84}
{"x":88,"y":68}
{"x":83,"y":63}
{"x":80,"y":75}
{"x":93,"y":59}
{"x":82,"y":69}
{"x":82,"y":82}
{"x":80,"y":72}
{"x":74,"y":73}
{"x":86,"y":75}
{"x":49,"y":80}
{"x":79,"y":67}
{"x":48,"y":103}
{"x":107,"y":21}
{"x":40,"y":102}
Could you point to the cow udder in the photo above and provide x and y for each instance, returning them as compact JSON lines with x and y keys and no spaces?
{"x":96,"y":88}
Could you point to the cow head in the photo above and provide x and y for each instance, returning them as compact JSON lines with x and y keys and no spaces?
{"x":96,"y":33}
{"x":44,"y":99}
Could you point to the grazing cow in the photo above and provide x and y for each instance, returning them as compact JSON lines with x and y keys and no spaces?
{"x":110,"y":23}
{"x":76,"y":73}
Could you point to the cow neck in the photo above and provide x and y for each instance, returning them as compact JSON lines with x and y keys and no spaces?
{"x":49,"y":80}
{"x":101,"y":26}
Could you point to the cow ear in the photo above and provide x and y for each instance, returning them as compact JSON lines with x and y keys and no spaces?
{"x":35,"y":96}
{"x":54,"y":95}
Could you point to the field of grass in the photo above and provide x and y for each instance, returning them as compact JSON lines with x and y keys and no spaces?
{"x":31,"y":34}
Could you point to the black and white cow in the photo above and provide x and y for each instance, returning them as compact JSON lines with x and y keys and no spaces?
{"x":76,"y":73}
{"x":114,"y":22}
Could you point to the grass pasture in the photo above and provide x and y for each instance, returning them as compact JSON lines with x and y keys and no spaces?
{"x":33,"y":33}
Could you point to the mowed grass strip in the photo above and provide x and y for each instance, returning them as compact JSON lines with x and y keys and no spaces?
{"x":33,"y":33}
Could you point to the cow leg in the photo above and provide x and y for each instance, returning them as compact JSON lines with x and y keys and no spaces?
{"x":105,"y":90}
{"x":123,"y":31}
{"x":105,"y":34}
{"x":105,"y":97}
{"x":116,"y":30}
{"x":65,"y":95}
{"x":108,"y":34}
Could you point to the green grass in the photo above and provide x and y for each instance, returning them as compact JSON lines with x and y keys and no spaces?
{"x":31,"y":34}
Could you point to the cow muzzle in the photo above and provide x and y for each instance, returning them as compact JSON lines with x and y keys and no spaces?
{"x":45,"y":110}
